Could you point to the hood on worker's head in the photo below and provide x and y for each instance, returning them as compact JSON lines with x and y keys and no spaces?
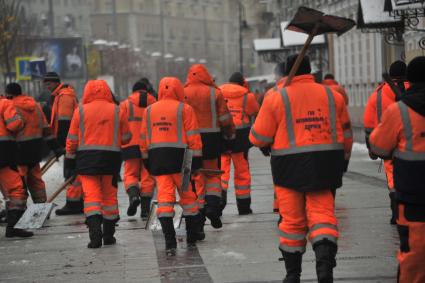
{"x":198,"y":73}
{"x":233,"y":90}
{"x":329,"y":82}
{"x":97,"y":90}
{"x":170,"y":88}
{"x":415,"y":98}
{"x":24,"y":102}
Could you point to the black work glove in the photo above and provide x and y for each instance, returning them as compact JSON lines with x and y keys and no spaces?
{"x":69,"y":168}
{"x":372,"y":155}
{"x":266,"y":150}
{"x":346,"y":162}
{"x":196,"y":163}
{"x":59,"y":152}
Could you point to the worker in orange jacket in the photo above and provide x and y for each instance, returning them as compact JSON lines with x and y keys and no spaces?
{"x":93,"y":151}
{"x":11,"y":184}
{"x":138,"y":183}
{"x":244,"y":107}
{"x":376,"y":105}
{"x":169,"y":128}
{"x":334,"y":85}
{"x":308,"y":129}
{"x":401,"y":137}
{"x":63,"y":103}
{"x":30,"y":141}
{"x":215,"y":122}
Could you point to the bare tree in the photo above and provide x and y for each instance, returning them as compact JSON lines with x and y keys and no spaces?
{"x":10,"y":23}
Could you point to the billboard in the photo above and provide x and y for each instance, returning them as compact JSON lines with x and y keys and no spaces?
{"x":64,"y":56}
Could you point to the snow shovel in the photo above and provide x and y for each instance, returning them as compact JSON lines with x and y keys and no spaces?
{"x":48,"y":164}
{"x":153,"y":222}
{"x":313,"y":22}
{"x":37,"y":213}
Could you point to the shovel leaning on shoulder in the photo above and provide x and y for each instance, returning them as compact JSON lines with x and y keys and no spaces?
{"x":313,"y":22}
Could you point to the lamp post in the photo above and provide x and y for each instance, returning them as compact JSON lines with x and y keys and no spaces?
{"x":242,"y":25}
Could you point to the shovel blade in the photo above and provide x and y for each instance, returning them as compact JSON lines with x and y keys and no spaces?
{"x":306,"y":19}
{"x":35,"y":216}
{"x":153,"y":223}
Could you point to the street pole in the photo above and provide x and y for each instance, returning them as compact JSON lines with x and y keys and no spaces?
{"x":114,"y":19}
{"x":51,"y":19}
{"x":205,"y":32}
{"x":240,"y":38}
{"x":161,"y":17}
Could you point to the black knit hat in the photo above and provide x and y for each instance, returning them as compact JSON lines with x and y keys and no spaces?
{"x":237,"y":78}
{"x":13,"y":89}
{"x":398,"y":69}
{"x":280,"y":69}
{"x":329,"y":77}
{"x":416,"y":70}
{"x":51,"y":77}
{"x":140,"y":86}
{"x":305,"y":67}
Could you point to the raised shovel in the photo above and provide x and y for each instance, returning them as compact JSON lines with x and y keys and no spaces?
{"x":37,"y":213}
{"x":313,"y":22}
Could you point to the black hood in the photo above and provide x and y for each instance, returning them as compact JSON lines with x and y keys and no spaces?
{"x":415,"y":98}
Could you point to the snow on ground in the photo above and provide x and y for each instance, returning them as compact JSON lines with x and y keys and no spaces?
{"x":360,"y":147}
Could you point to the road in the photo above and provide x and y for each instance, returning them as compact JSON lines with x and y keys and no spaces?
{"x":244,"y":250}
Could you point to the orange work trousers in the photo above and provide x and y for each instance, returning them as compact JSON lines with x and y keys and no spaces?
{"x":74,"y":193}
{"x":13,"y":189}
{"x":208,"y":187}
{"x":34,"y":182}
{"x":167,"y":185}
{"x":100,"y":196}
{"x":242,"y":176}
{"x":411,"y":255}
{"x":136,"y":175}
{"x":389,"y":172}
{"x":305,"y":213}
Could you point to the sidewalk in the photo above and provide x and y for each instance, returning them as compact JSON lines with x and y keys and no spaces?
{"x":244,"y":250}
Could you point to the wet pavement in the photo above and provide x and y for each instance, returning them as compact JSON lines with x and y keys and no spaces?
{"x":244,"y":250}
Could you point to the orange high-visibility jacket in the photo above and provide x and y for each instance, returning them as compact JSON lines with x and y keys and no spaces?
{"x":10,"y":123}
{"x":243,"y":107}
{"x":36,"y":129}
{"x":309,"y":130}
{"x":64,"y":104}
{"x":134,"y":107}
{"x":380,"y":99}
{"x":169,"y":127}
{"x":210,"y":108}
{"x":333,"y":84}
{"x":98,"y":129}
{"x":401,"y":136}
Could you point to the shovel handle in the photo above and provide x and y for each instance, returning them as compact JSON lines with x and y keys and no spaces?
{"x":211,"y":171}
{"x":58,"y":191}
{"x":48,"y":164}
{"x":301,"y":55}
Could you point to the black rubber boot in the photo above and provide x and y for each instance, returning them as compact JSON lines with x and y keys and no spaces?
{"x":293,"y":263}
{"x":108,"y":232}
{"x":3,"y":216}
{"x":145,"y":205}
{"x":94,"y":223}
{"x":212,"y":211}
{"x":325,"y":251}
{"x":244,"y":206}
{"x":393,"y":220}
{"x":169,"y":234}
{"x":203,"y":219}
{"x":133,"y":200}
{"x":12,"y":218}
{"x":194,"y":231}
{"x":223,"y":201}
{"x":71,"y":208}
